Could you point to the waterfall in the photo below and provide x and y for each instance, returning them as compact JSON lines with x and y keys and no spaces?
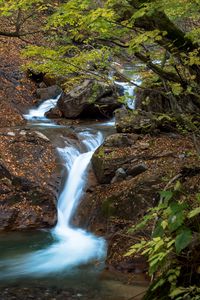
{"x":39,"y":112}
{"x":72,"y":246}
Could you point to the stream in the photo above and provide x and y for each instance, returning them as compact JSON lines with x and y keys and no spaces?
{"x":65,"y":258}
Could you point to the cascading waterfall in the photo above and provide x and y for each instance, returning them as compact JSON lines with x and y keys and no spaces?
{"x":129,"y":90}
{"x":71,"y":246}
{"x":39,"y":112}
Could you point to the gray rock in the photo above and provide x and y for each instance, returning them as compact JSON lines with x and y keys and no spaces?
{"x":50,"y":92}
{"x":42,"y":136}
{"x":121,"y":140}
{"x":136,"y":170}
{"x":120,"y":175}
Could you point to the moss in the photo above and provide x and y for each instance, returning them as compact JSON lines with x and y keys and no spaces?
{"x":95,"y":93}
{"x":100,"y":153}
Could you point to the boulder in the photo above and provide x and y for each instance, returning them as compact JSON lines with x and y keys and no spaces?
{"x":50,"y":92}
{"x":91,"y":99}
{"x":134,"y":121}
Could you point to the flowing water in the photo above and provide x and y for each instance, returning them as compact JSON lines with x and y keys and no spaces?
{"x":65,"y":254}
{"x":71,"y":246}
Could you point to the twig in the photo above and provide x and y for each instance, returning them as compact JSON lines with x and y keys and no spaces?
{"x":172,"y":180}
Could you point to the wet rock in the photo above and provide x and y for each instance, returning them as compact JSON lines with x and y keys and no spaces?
{"x":105,"y":165}
{"x":50,"y":92}
{"x":53,"y":113}
{"x":90,"y":99}
{"x":28,"y":181}
{"x":136,"y":265}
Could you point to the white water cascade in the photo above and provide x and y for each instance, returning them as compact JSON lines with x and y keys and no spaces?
{"x":72,"y":246}
{"x":129,"y":88}
{"x":39,"y":112}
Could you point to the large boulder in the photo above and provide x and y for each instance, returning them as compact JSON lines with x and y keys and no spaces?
{"x":29,"y":180}
{"x":90,"y":99}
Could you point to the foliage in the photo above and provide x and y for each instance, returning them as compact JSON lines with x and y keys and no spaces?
{"x":173,"y":250}
{"x":104,"y":31}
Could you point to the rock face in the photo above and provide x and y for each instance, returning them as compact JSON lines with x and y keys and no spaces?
{"x":28,"y":180}
{"x":91,"y":99}
{"x":116,"y":205}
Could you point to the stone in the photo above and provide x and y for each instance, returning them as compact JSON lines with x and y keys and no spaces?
{"x":53,"y":113}
{"x":90,"y":99}
{"x":120,"y":175}
{"x":42,"y":136}
{"x":134,"y":121}
{"x":136,"y":170}
{"x":50,"y":92}
{"x":121,"y":140}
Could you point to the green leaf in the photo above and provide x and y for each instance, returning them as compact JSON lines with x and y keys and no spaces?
{"x":166,"y":195}
{"x":175,"y":221}
{"x":182,"y":240}
{"x":177,"y":186}
{"x":177,"y":292}
{"x":158,"y":231}
{"x":194,"y":212}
